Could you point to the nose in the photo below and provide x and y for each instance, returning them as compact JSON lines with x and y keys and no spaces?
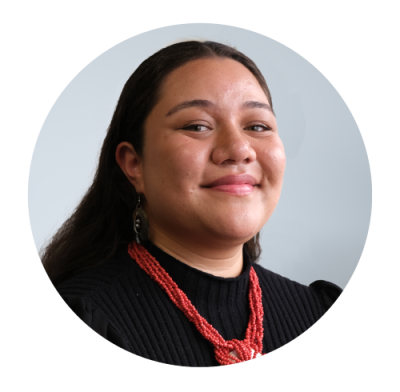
{"x":232,"y":146}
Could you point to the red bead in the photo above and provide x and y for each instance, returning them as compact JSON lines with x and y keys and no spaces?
{"x":222,"y":348}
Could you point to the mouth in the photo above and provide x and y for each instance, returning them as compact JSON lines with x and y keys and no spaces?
{"x":234,"y":189}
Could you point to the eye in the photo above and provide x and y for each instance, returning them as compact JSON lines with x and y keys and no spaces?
{"x":258,"y":128}
{"x":196,"y":128}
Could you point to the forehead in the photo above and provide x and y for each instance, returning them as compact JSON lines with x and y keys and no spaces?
{"x":210,"y":76}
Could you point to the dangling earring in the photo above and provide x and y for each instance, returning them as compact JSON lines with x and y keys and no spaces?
{"x":140,"y":223}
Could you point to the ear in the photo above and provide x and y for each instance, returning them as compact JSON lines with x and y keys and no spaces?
{"x":131,"y":164}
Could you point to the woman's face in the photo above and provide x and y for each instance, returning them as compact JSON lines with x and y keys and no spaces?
{"x":213,"y":163}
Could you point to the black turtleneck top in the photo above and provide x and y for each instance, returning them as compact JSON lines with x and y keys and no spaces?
{"x":123,"y":304}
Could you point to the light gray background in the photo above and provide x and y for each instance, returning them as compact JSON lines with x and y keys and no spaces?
{"x":320,"y":225}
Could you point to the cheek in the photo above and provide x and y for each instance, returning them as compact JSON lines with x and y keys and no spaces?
{"x":185,"y":164}
{"x":273,"y":161}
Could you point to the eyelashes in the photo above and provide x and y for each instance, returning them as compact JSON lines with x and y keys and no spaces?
{"x":196,"y":128}
{"x":261,"y":128}
{"x":202,"y":128}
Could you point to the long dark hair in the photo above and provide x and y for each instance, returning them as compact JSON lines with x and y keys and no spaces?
{"x":101,"y":225}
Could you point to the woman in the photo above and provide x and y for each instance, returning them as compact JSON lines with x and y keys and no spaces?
{"x":194,"y":156}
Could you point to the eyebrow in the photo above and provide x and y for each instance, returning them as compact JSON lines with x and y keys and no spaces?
{"x":208,"y":104}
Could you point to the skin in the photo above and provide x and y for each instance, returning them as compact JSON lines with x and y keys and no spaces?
{"x":186,"y":149}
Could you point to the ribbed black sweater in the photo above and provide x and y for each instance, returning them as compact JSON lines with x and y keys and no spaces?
{"x":122,"y":303}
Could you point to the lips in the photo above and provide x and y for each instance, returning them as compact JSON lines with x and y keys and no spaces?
{"x":233,"y":179}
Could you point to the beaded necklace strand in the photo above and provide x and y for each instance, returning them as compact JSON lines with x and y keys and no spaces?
{"x":226,"y":351}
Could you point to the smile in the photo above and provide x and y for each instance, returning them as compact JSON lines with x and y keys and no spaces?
{"x":239,"y":189}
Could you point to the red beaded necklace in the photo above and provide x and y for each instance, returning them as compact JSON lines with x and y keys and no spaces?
{"x":226,"y":351}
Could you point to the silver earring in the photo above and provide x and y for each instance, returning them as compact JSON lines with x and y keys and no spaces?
{"x":140,"y":223}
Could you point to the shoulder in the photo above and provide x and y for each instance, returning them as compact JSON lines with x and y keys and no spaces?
{"x":87,"y":283}
{"x":327,"y":292}
{"x":320,"y":292}
{"x":90,"y":292}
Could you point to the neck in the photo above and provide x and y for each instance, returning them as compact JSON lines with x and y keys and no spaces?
{"x":225,"y":263}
